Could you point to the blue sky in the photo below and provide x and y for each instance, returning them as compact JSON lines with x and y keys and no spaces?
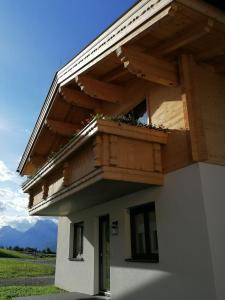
{"x":37,"y":38}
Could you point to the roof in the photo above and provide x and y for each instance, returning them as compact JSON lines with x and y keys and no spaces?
{"x":122,"y":31}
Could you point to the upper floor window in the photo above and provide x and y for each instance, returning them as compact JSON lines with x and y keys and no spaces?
{"x":139,"y":113}
{"x":144,"y":241}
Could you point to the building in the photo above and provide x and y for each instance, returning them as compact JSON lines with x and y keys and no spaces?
{"x":141,"y":210}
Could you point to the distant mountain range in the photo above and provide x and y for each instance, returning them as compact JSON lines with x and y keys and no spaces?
{"x":41,"y":236}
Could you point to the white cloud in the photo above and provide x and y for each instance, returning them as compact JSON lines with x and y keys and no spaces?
{"x":13,"y":210}
{"x":5,"y":173}
{"x":15,"y":200}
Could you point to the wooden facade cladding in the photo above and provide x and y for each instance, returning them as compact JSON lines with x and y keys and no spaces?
{"x":103,"y":150}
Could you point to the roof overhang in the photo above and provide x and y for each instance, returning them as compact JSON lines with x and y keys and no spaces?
{"x":142,"y":16}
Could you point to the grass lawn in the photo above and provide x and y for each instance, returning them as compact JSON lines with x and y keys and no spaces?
{"x":13,"y":254}
{"x":9,"y":292}
{"x":15,"y":268}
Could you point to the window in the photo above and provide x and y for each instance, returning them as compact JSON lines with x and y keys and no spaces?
{"x":144,"y":241}
{"x":139,"y":113}
{"x":78,"y":231}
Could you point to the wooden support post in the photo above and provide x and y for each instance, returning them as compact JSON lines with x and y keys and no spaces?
{"x":192,"y":109}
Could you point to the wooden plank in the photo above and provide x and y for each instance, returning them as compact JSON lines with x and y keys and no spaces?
{"x":133,"y":132}
{"x":183,"y":38}
{"x":100,"y":89}
{"x":97,"y":149}
{"x":37,"y":160}
{"x":113,"y":140}
{"x":62,"y":128}
{"x":66,"y":173}
{"x":191,"y":109}
{"x":129,"y":175}
{"x":78,"y":98}
{"x":114,"y":74}
{"x":211,"y":52}
{"x":157,"y":157}
{"x":148,"y":67}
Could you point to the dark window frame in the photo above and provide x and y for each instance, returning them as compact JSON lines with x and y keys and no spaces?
{"x":136,"y":110}
{"x":78,"y":253}
{"x":145,"y":210}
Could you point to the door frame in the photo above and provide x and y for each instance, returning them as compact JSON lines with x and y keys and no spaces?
{"x":101,"y":219}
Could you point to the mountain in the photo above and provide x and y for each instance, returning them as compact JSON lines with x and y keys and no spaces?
{"x":9,"y":235}
{"x":42,"y":235}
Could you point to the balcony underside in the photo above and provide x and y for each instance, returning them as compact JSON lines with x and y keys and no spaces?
{"x":97,"y":193}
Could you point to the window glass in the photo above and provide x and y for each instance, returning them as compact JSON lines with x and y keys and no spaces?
{"x":140,"y":234}
{"x":144,"y":240}
{"x":139,"y":113}
{"x":78,"y":240}
{"x":153,"y":232}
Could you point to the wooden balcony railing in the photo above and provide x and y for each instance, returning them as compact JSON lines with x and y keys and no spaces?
{"x":105,"y":160}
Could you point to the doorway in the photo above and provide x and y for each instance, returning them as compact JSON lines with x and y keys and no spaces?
{"x":104,"y":254}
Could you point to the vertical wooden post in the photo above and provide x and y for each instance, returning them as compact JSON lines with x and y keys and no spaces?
{"x":66,"y":174}
{"x":31,"y":200}
{"x":97,"y":150}
{"x":45,"y":190}
{"x":113,"y":150}
{"x":157,"y":157}
{"x":192,"y":109}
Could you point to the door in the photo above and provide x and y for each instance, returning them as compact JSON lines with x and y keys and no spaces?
{"x":104,"y":254}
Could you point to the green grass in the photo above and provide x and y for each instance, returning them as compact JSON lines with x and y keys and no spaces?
{"x":9,"y":292}
{"x":14,"y":268}
{"x":13,"y":254}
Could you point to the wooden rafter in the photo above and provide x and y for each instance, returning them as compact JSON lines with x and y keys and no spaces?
{"x":211,"y":52}
{"x":78,"y":98}
{"x":148,"y":67}
{"x":183,"y":38}
{"x":37,"y":160}
{"x":62,"y":128}
{"x":100,"y":89}
{"x":114,"y":74}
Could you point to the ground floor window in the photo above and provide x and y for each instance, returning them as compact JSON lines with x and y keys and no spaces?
{"x":144,"y":240}
{"x":78,"y":232}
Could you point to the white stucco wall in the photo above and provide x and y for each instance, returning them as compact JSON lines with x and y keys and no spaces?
{"x":185,"y":269}
{"x":213,"y":187}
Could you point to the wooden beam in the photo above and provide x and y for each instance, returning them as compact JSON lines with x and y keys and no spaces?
{"x":183,"y":38}
{"x":78,"y":98}
{"x":192,"y":112}
{"x":62,"y":128}
{"x":100,"y":89}
{"x":148,"y":67}
{"x":211,"y":52}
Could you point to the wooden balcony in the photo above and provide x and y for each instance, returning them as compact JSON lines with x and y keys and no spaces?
{"x":105,"y":160}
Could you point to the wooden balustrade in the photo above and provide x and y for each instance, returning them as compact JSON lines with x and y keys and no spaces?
{"x":102,"y":151}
